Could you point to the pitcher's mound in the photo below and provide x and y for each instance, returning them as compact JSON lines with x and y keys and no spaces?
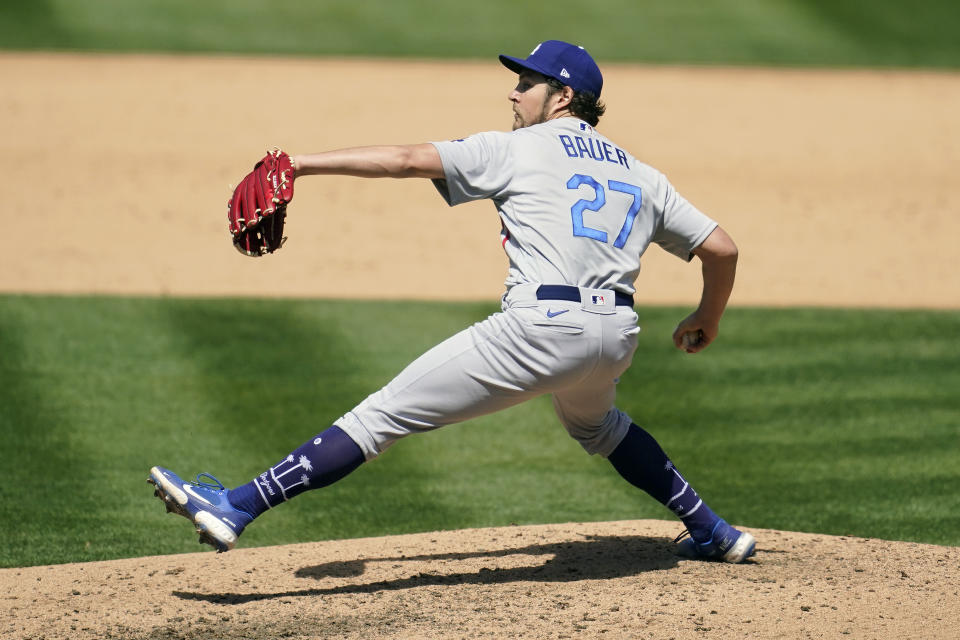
{"x":589,"y":580}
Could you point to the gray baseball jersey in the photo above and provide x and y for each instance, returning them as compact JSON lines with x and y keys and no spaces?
{"x":575,"y":207}
{"x":576,"y":210}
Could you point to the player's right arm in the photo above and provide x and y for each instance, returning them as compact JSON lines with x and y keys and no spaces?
{"x":387,"y":161}
{"x":718,"y":255}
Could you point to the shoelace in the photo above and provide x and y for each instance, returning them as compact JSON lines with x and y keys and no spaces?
{"x":216,"y":484}
{"x":684,"y":534}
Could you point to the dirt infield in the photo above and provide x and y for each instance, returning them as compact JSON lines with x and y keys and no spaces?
{"x":839,"y":188}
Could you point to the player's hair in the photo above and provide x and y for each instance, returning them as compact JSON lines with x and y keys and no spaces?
{"x":584,"y":104}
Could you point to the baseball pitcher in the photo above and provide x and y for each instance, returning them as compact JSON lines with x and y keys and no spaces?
{"x":577,"y":212}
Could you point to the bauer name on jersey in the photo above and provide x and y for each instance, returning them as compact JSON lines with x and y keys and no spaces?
{"x":575,"y":208}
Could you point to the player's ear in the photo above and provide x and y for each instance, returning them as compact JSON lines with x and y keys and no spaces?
{"x":566,"y":96}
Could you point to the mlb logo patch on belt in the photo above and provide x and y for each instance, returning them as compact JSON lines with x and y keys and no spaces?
{"x":598,"y":300}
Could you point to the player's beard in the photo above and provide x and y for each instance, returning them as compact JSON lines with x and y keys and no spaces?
{"x":519,"y":122}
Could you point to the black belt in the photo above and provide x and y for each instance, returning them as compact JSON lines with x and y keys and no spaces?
{"x":567,"y":292}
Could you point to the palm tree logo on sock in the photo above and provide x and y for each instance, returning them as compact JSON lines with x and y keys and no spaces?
{"x":285,"y":468}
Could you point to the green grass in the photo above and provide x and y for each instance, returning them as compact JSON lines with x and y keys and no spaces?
{"x":840,"y":422}
{"x":873,"y":33}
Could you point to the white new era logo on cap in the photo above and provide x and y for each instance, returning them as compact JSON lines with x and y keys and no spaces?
{"x":564,"y":73}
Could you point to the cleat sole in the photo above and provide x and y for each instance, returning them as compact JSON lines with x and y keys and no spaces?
{"x":743,"y":549}
{"x":169,"y":489}
{"x":213,"y":529}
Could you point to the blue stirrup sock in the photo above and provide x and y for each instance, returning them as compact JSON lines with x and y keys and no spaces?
{"x":318,"y":462}
{"x":642,"y":462}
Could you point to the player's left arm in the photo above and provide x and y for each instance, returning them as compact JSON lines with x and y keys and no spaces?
{"x":385,"y":161}
{"x":718,"y":255}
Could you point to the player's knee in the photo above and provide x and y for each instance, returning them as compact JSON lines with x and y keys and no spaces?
{"x":600,"y":438}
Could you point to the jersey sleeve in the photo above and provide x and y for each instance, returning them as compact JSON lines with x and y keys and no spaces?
{"x":683,"y":227}
{"x":475,"y":168}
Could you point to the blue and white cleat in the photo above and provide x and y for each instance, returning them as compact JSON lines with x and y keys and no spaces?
{"x":204,"y":503}
{"x":726,"y":544}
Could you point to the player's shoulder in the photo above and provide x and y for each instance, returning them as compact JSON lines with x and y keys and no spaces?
{"x":480,"y":145}
{"x":480,"y":136}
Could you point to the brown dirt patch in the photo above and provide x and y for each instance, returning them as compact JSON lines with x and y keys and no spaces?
{"x":597,"y":580}
{"x":838,"y":186}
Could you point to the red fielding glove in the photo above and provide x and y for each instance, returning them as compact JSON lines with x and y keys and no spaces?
{"x":258,"y":208}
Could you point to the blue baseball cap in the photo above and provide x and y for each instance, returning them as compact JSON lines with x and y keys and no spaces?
{"x":562,"y":61}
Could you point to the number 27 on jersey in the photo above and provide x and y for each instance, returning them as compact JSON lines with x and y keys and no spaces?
{"x":598,"y":202}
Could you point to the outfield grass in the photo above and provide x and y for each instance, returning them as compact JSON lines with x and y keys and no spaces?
{"x":780,"y":32}
{"x":841,"y":422}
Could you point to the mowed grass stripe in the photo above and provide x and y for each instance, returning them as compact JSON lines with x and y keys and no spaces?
{"x":833,"y":421}
{"x":779,"y":32}
{"x":836,"y":421}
